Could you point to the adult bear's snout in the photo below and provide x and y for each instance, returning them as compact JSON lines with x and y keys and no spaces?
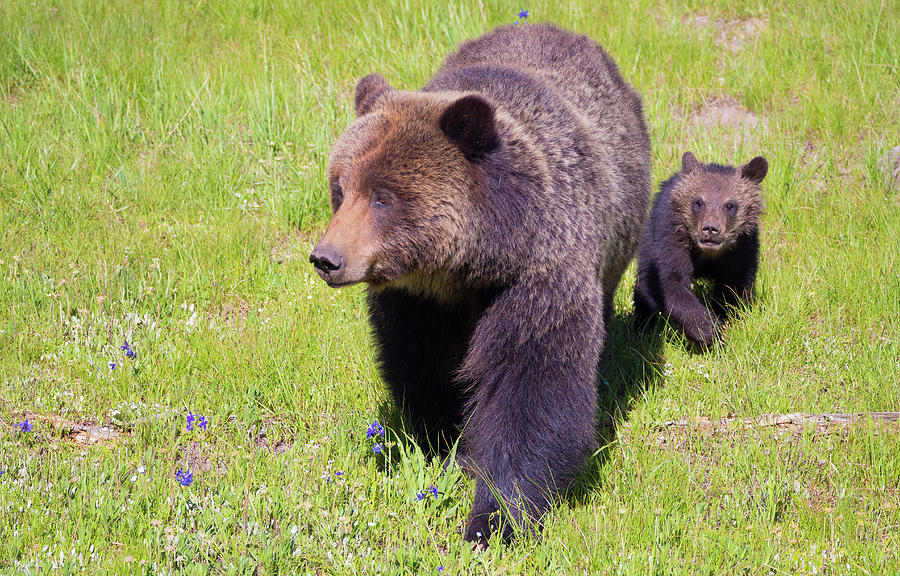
{"x":326,"y":259}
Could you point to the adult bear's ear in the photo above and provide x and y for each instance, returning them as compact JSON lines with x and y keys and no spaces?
{"x":367,"y":92}
{"x":755,"y":170}
{"x":469,"y":123}
{"x":689,"y":163}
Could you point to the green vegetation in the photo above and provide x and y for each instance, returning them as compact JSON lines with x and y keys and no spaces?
{"x":162,"y":182}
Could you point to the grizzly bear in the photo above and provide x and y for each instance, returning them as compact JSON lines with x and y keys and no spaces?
{"x":704,"y":224}
{"x":492,"y":214}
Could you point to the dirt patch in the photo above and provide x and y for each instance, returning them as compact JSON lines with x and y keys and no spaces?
{"x":198,"y":457}
{"x":275,"y":447}
{"x":890,"y":165}
{"x":87,"y":436}
{"x":291,"y":246}
{"x":148,"y":158}
{"x":13,"y":97}
{"x":728,"y":123}
{"x":732,"y":35}
{"x":273,"y":435}
{"x":231,"y":312}
{"x":727,"y":113}
{"x":84,"y":434}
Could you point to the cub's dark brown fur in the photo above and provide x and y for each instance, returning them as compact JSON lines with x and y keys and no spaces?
{"x":492,"y":214}
{"x":704,"y":224}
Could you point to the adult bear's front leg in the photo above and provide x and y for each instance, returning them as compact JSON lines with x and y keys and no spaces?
{"x":532,"y":364}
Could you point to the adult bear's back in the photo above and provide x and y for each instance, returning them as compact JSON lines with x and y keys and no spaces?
{"x":577,"y":66}
{"x":520,"y":66}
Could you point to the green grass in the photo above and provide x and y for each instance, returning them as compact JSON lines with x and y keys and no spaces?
{"x":162,"y":181}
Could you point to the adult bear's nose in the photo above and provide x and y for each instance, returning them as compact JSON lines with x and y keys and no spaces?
{"x":326,"y":258}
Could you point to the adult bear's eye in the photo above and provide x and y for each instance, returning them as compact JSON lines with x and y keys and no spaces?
{"x":382,"y":198}
{"x":337,"y":195}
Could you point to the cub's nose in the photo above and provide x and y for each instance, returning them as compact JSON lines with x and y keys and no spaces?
{"x":710,"y":230}
{"x":326,"y":258}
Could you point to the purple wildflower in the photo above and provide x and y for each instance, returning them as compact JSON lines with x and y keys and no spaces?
{"x":377,"y":448}
{"x":112,"y":365}
{"x":24,"y":426}
{"x":200,"y":420}
{"x":184,"y":477}
{"x":440,"y":569}
{"x":375,"y":429}
{"x":339,"y":473}
{"x":523,"y":14}
{"x":420,"y":496}
{"x":129,"y":353}
{"x":433,"y":489}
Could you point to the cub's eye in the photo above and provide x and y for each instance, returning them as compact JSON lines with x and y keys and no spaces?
{"x":382,"y":198}
{"x":730,"y":208}
{"x":697,"y":205}
{"x":337,"y":195}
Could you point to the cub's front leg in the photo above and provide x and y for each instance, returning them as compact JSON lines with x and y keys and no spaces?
{"x":696,"y":321}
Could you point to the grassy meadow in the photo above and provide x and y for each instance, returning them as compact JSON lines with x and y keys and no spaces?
{"x":162,"y":183}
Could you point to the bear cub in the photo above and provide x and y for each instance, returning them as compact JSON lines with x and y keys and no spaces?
{"x":704,"y":224}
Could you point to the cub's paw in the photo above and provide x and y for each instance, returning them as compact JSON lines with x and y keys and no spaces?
{"x":716,"y":336}
{"x":707,"y":334}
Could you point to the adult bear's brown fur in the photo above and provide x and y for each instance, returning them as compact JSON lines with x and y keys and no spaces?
{"x":704,"y":224}
{"x":492,"y":214}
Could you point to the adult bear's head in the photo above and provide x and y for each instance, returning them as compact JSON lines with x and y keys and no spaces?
{"x":403,"y":180}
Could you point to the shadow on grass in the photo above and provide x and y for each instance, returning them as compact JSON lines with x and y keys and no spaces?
{"x":397,"y":433}
{"x":403,"y":439}
{"x":632,"y":363}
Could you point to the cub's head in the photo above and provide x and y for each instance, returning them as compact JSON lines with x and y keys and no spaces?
{"x":717,"y":204}
{"x":402,"y":178}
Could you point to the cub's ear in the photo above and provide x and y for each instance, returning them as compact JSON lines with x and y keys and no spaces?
{"x":469,"y":123}
{"x":755,"y":170}
{"x":368,"y":90}
{"x":689,"y":163}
